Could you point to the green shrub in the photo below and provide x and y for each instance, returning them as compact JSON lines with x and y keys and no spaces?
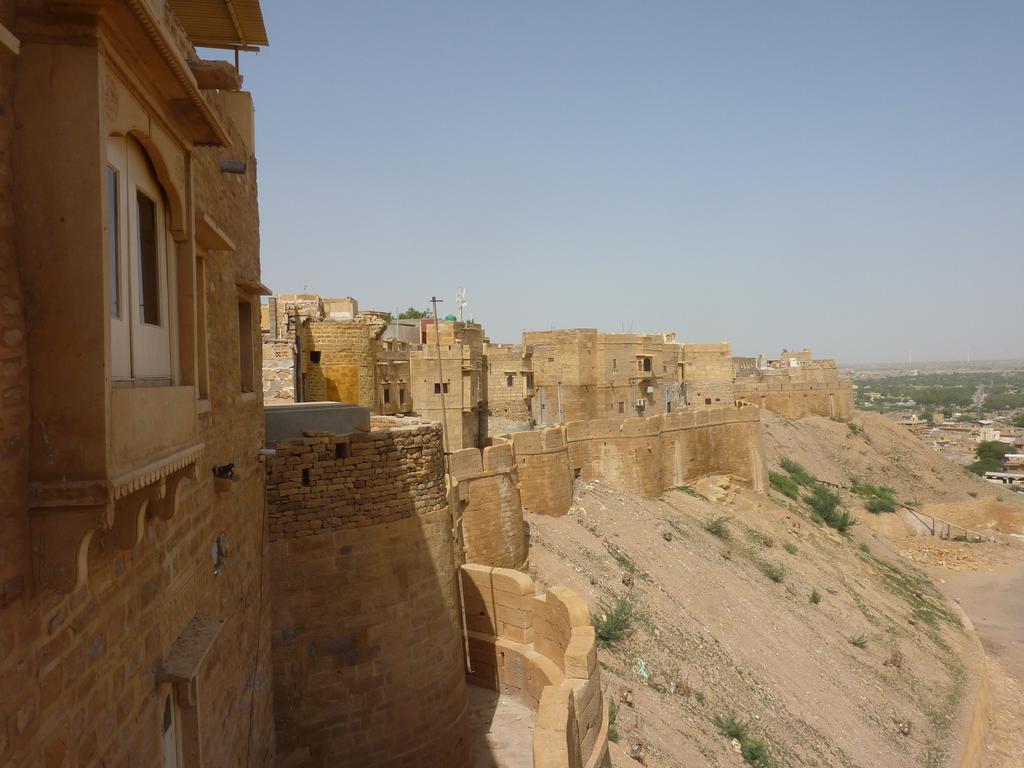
{"x":815,"y":596}
{"x":755,"y":753}
{"x":973,"y":494}
{"x":854,"y":429}
{"x":614,"y":623}
{"x":790,"y":547}
{"x":613,"y":716}
{"x":825,"y":505}
{"x":784,"y":484}
{"x":861,"y":640}
{"x":876,"y":499}
{"x":800,"y":475}
{"x":719,"y":527}
{"x":731,"y":726}
{"x":878,"y":505}
{"x":689,"y":490}
{"x":773,"y":571}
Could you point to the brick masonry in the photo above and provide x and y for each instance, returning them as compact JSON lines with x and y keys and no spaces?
{"x":80,"y":674}
{"x":541,"y":649}
{"x":366,"y":628}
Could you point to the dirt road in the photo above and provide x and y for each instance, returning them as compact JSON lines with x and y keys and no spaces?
{"x":994,"y":599}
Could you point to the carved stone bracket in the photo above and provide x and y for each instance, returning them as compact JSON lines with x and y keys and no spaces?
{"x":66,"y":514}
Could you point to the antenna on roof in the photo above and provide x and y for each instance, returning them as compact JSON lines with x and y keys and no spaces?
{"x":460,"y":300}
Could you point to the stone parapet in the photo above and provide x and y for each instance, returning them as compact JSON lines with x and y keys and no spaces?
{"x":542,"y":650}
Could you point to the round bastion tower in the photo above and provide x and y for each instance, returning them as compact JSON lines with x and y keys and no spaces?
{"x":367,"y":645}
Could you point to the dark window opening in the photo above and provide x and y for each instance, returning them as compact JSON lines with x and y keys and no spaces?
{"x":622,"y":406}
{"x":341,"y":451}
{"x":149,"y":261}
{"x":510,"y":379}
{"x":439,"y":388}
{"x":707,"y":401}
{"x":401,"y":397}
{"x":387,"y":395}
{"x":305,"y":477}
{"x":114,"y":243}
{"x":314,"y":356}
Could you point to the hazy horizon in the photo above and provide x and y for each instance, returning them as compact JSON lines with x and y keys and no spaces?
{"x":843,"y":177}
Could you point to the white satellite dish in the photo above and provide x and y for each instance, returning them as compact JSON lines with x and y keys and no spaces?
{"x":460,"y":300}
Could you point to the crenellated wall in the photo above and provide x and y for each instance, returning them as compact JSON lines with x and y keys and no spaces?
{"x":487,"y":487}
{"x":646,"y":455}
{"x":545,"y":479}
{"x":541,"y":649}
{"x":833,"y":399}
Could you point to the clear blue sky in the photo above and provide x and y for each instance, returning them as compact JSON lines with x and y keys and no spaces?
{"x":842,"y":175}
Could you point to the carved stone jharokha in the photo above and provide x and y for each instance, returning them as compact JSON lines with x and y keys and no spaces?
{"x":66,"y":515}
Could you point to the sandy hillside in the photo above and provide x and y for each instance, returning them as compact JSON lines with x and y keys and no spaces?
{"x":886,"y":454}
{"x":716,"y":636}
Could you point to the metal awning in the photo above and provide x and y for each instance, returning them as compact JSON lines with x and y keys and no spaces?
{"x":222,"y":23}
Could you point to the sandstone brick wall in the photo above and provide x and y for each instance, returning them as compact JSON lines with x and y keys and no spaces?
{"x":545,"y":476}
{"x":541,"y":649}
{"x":623,"y":454}
{"x":564,"y":374}
{"x":366,"y":636}
{"x":505,"y":400}
{"x":487,"y":487}
{"x":278,"y":371}
{"x":462,"y":372}
{"x":794,"y":401}
{"x":80,"y":674}
{"x":347,"y":370}
{"x":646,"y":456}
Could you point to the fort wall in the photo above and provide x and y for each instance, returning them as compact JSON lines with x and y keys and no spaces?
{"x":833,"y":399}
{"x":541,"y":649}
{"x":487,"y":488}
{"x":366,"y":632}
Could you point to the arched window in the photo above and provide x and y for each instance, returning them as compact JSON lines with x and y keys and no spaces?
{"x":141,"y":278}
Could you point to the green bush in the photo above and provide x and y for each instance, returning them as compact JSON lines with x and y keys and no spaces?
{"x":876,"y":499}
{"x":755,"y":753}
{"x":613,"y":716}
{"x":790,"y":547}
{"x":800,"y":475}
{"x":731,"y":726}
{"x":860,"y":641}
{"x":773,"y":571}
{"x":784,"y":484}
{"x":815,"y":596}
{"x":614,"y":623}
{"x":1018,"y":420}
{"x":825,"y":506}
{"x":854,"y":429}
{"x":719,"y":527}
{"x":689,"y":490}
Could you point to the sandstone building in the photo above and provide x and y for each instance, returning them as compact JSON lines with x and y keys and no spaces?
{"x":796,"y":385}
{"x":134,"y":608}
{"x":454,"y":392}
{"x":509,"y":387}
{"x":581,"y":374}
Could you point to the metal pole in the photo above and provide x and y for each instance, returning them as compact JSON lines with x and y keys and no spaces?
{"x":457,"y":532}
